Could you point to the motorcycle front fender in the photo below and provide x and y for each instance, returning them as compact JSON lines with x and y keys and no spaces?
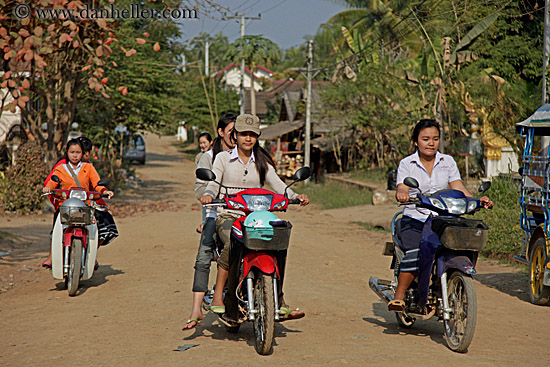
{"x":461,"y":263}
{"x":264,"y":262}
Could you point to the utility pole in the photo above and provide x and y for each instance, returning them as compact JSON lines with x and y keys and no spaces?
{"x":242,"y":17}
{"x":206,"y":47}
{"x":545,"y":140}
{"x":309,"y":77}
{"x":308,"y":104}
{"x":183,"y":63}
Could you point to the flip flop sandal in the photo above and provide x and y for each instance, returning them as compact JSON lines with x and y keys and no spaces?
{"x":197,"y":323}
{"x":47,"y":265}
{"x":396,"y":305}
{"x":218,"y":309}
{"x":286,"y":311}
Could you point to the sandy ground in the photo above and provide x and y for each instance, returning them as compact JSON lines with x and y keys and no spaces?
{"x":131,"y":312}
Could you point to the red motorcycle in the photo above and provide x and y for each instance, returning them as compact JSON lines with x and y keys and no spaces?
{"x":259,"y":239}
{"x":75,"y":235}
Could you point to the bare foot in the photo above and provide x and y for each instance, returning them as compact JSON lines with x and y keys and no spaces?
{"x":192,"y":322}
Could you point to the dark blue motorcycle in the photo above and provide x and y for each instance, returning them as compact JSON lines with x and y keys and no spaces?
{"x":444,"y":287}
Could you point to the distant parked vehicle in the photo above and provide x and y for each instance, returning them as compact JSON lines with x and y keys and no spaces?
{"x":134,"y":149}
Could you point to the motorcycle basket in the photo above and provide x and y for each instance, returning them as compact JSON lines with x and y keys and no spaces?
{"x":267,"y":238}
{"x":71,"y":215}
{"x":461,"y":233}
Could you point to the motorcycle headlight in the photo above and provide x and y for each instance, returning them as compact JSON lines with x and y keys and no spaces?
{"x":258,"y":202}
{"x":455,"y":206}
{"x":437,"y":203}
{"x":280,"y":205}
{"x":78,"y":194}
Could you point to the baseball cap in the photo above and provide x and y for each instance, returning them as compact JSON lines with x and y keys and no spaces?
{"x":247,"y":122}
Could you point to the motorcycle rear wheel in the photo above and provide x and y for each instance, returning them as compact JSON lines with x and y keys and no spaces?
{"x":264,"y":322}
{"x":75,"y":266}
{"x":539,"y":294}
{"x":459,"y":330}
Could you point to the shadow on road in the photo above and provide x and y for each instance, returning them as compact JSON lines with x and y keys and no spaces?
{"x":218,"y":331}
{"x":513,"y":284}
{"x":154,"y":157}
{"x":100,"y":277}
{"x":430,"y":328}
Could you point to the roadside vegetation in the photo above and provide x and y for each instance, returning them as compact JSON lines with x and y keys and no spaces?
{"x":505,"y":232}
{"x":332,"y":195}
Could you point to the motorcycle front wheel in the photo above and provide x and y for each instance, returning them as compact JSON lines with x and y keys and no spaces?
{"x":264,"y":322}
{"x":75,"y":266}
{"x":459,"y":330}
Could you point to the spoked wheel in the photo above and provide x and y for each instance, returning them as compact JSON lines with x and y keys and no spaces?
{"x":264,"y":322}
{"x":75,"y":266}
{"x":404,"y":320}
{"x":459,"y":330}
{"x":539,"y":294}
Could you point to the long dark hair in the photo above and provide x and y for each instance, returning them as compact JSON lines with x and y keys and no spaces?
{"x":262,"y":159}
{"x":423,"y":124}
{"x":222,"y":124}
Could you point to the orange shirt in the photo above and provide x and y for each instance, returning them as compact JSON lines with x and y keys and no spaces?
{"x":87,"y":176}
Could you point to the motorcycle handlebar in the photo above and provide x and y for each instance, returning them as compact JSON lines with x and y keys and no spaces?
{"x":218,"y":201}
{"x":294,"y":201}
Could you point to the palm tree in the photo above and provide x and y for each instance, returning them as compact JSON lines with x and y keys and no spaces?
{"x":254,"y":50}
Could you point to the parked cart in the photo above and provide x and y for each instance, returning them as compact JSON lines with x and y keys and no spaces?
{"x":535,"y":204}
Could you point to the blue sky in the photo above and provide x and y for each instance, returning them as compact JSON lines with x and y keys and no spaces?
{"x":285,"y":22}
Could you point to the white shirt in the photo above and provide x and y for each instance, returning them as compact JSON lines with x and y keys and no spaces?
{"x":444,"y":171}
{"x":76,"y":170}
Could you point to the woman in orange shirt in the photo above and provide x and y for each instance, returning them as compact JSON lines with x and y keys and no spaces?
{"x":89,"y":179}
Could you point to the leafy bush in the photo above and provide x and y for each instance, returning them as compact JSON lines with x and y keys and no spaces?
{"x":505,"y":231}
{"x":25,"y":179}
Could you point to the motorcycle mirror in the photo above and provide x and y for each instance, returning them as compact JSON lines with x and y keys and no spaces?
{"x":205,"y":174}
{"x":520,"y":171}
{"x":103,"y":183}
{"x":411,"y":182}
{"x":302,"y":174}
{"x":56,"y":179}
{"x":484,"y":186}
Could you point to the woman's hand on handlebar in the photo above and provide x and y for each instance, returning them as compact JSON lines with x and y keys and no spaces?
{"x":304,"y":199}
{"x":402,"y":194}
{"x":109,"y":194}
{"x":206,"y":199}
{"x":486,"y":202}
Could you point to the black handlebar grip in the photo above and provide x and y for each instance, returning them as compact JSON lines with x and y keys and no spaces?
{"x":294,"y":201}
{"x":218,"y":201}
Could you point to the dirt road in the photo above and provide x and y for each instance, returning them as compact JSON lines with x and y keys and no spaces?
{"x":131,"y":312}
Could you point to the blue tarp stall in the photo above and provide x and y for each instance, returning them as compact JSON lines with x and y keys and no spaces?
{"x":539,"y":122}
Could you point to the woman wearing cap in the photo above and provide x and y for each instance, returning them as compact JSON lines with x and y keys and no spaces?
{"x":246,"y":166}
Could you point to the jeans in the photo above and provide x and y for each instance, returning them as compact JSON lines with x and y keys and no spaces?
{"x":204,"y":256}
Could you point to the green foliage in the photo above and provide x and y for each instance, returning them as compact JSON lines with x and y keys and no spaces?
{"x":505,"y":231}
{"x":333,"y":195}
{"x":25,"y":179}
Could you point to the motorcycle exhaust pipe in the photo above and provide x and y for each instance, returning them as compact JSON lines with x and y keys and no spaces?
{"x":381,"y":288}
